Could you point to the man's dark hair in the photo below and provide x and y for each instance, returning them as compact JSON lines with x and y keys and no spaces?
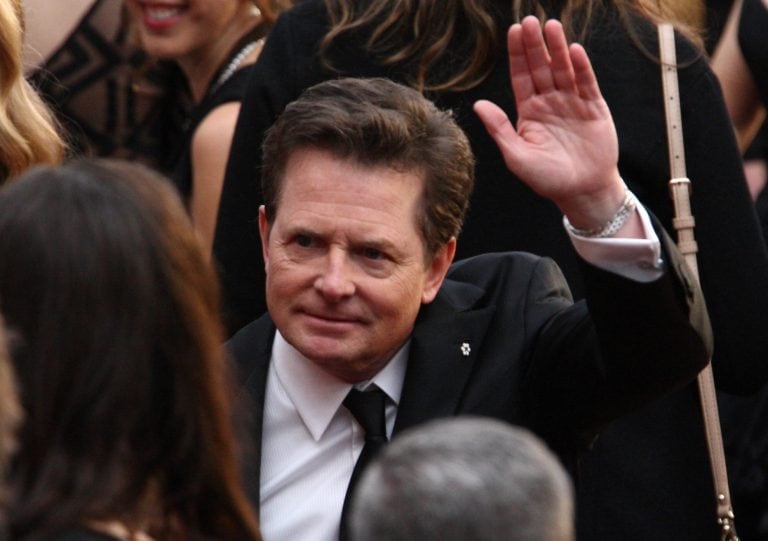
{"x":378,"y":123}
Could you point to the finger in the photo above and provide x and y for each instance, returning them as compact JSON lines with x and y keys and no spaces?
{"x":586,"y":81}
{"x":539,"y":61}
{"x":562,"y":68}
{"x":519,"y":74}
{"x":499,"y":127}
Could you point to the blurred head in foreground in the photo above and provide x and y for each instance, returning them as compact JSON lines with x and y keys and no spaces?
{"x":464,"y":478}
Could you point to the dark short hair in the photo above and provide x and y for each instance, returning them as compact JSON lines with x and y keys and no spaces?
{"x":113,"y":308}
{"x":377,"y":122}
{"x":463,"y":478}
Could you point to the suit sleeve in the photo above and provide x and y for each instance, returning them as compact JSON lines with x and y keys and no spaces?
{"x":627,"y":343}
{"x":732,"y":258}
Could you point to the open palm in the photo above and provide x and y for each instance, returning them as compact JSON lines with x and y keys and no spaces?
{"x":565,"y":146}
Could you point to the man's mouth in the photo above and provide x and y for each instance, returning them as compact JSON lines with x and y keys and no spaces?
{"x":337,"y":321}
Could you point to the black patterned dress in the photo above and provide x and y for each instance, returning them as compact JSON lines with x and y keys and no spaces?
{"x":90,"y":82}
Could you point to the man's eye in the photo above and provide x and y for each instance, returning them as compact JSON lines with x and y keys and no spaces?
{"x":372,"y":253}
{"x":304,"y":241}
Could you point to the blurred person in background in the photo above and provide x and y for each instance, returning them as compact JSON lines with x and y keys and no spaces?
{"x":28,"y":134}
{"x":81,"y":57}
{"x":128,"y":423}
{"x":210,"y":43}
{"x":741,"y":63}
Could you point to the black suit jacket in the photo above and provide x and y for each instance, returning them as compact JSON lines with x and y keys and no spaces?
{"x":536,"y":359}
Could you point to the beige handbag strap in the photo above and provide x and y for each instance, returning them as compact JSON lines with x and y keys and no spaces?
{"x":683,"y":224}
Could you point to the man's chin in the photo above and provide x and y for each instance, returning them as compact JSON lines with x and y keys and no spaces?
{"x":342,"y":363}
{"x":325,"y":351}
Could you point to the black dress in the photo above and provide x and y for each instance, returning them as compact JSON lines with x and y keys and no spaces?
{"x":232,"y":89}
{"x":89,"y":84}
{"x":648,"y":477}
{"x":753,"y":42}
{"x":745,"y":419}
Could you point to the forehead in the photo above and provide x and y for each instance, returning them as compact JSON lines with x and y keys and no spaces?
{"x":319,"y":188}
{"x":312,"y":173}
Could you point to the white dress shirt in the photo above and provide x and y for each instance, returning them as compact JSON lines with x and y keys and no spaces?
{"x":310,"y":443}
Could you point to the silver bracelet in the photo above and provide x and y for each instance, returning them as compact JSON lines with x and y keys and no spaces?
{"x":612,"y":226}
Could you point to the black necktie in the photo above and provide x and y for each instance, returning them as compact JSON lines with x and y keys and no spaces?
{"x":368,"y":409}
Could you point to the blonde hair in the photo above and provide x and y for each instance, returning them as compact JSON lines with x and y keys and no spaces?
{"x":28,"y":133}
{"x":426,"y":35}
{"x":691,"y":15}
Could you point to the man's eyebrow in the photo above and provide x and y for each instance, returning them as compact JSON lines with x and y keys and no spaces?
{"x":301,"y":229}
{"x":360,"y":241}
{"x":380,"y":244}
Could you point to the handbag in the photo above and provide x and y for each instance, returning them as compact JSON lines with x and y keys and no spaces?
{"x":683,"y":223}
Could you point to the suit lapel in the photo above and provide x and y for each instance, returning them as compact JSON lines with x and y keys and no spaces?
{"x":444,"y":347}
{"x":253,"y":355}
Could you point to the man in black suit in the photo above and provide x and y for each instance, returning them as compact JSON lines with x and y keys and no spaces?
{"x":366,"y":184}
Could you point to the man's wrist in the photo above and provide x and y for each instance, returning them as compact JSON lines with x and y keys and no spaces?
{"x":614,"y":223}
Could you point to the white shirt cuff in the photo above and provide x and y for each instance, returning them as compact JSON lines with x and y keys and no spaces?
{"x":636,"y":259}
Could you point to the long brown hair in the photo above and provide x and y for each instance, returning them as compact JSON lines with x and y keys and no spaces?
{"x":464,"y":34}
{"x":119,"y":359}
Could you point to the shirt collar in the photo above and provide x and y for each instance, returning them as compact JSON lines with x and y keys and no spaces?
{"x":318,"y":395}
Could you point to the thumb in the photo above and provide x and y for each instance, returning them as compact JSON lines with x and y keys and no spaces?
{"x":499,"y":127}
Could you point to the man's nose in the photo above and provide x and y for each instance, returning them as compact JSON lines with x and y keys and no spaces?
{"x":335,"y":281}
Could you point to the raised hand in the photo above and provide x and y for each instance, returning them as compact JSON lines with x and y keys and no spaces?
{"x":565,"y":146}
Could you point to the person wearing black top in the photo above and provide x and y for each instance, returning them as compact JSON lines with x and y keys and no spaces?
{"x":210,"y":43}
{"x":128,"y":426}
{"x":741,"y":63}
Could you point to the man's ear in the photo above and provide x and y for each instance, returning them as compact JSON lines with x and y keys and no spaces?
{"x":437,"y":270}
{"x":264,"y":234}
